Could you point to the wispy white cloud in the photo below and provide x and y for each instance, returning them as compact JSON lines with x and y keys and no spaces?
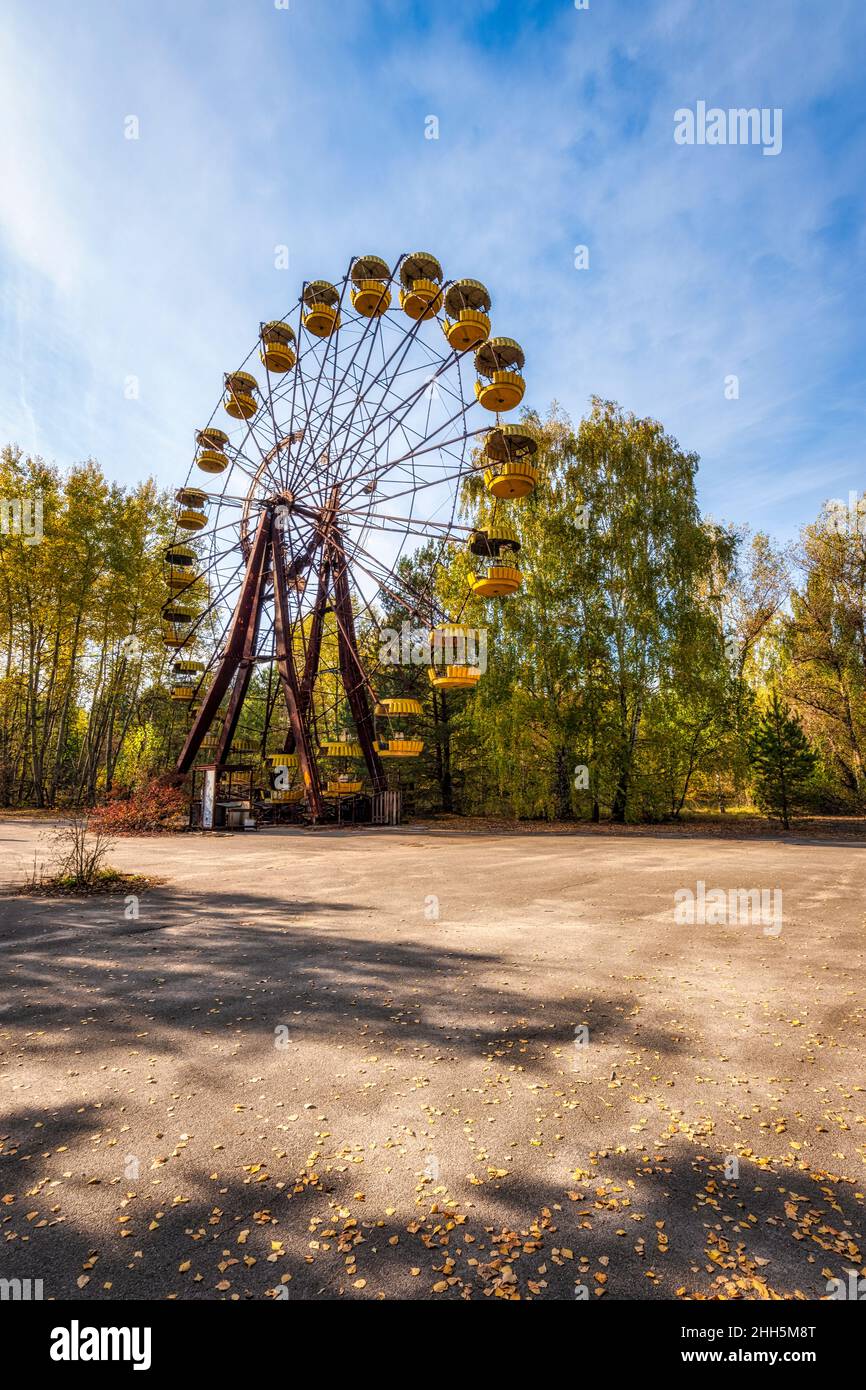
{"x":306,"y":127}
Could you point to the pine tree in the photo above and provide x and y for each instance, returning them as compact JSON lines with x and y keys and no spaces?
{"x":781,"y":758}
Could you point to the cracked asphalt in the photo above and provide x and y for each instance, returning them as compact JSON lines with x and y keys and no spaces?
{"x":433,"y":1064}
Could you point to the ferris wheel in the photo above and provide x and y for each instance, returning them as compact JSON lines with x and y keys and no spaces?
{"x":338,"y":446}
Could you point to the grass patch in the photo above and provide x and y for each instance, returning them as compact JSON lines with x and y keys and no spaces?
{"x":105,"y":881}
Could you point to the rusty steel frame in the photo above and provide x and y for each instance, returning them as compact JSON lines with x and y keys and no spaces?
{"x":351,"y":670}
{"x":249,"y":600}
{"x":268,"y":563}
{"x":271,"y":562}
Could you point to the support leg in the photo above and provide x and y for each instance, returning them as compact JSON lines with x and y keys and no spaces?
{"x":351,"y":669}
{"x":231,"y":657}
{"x":289,"y":678}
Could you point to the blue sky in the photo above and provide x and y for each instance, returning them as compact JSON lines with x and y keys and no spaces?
{"x":305,"y":126}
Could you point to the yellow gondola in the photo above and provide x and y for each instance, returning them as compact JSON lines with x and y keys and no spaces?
{"x":174,"y":635}
{"x":399,"y":705}
{"x":277,"y":350}
{"x":400,"y":747}
{"x":420,"y":276}
{"x":497,"y":580}
{"x":398,"y":744}
{"x":177,"y":613}
{"x":341,"y":748}
{"x":185,"y":585}
{"x":497,"y":538}
{"x":338,"y":787}
{"x":278,"y":759}
{"x":500,"y":361}
{"x":451,"y":644}
{"x":507,"y":461}
{"x":293,"y":795}
{"x":192,"y":502}
{"x":240,"y":399}
{"x":322,"y":316}
{"x":189,"y":519}
{"x":371,"y":296}
{"x":454,"y":677}
{"x":212,"y":456}
{"x":180,"y":570}
{"x":468,"y":304}
{"x":184,"y":688}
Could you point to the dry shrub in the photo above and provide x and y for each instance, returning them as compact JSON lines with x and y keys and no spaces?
{"x":80,"y":848}
{"x":159,"y":805}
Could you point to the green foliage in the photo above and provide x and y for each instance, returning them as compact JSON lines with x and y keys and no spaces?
{"x":782,"y":760}
{"x":612,"y":654}
{"x":822,"y":649}
{"x":80,"y":637}
{"x":622,"y":679}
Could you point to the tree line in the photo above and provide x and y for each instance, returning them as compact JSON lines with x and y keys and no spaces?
{"x":83,"y":698}
{"x":653,"y":660}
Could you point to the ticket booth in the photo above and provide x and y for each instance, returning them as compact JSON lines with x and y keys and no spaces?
{"x":221,"y":798}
